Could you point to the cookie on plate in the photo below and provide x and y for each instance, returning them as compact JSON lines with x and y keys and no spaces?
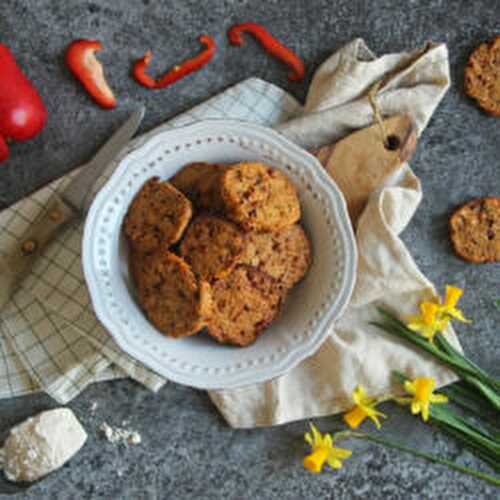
{"x":135,"y":264}
{"x":200,"y":182}
{"x":259,"y":198}
{"x":170,"y":295}
{"x":244,"y":303}
{"x":482,"y":76}
{"x":475,"y":230}
{"x":285,"y":254}
{"x":157,"y":216}
{"x":211,"y":246}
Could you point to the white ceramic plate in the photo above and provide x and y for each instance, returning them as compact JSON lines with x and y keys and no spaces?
{"x":312,"y":305}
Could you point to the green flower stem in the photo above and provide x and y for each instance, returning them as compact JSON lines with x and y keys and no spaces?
{"x":483,"y":441}
{"x":450,"y":350}
{"x":486,"y":391}
{"x":465,"y":404}
{"x":472,"y":446}
{"x":427,"y":456}
{"x":459,"y":391}
{"x":400,"y":331}
{"x":447,"y":354}
{"x":474,"y":403}
{"x":486,"y":419}
{"x":484,"y":445}
{"x":446,"y":416}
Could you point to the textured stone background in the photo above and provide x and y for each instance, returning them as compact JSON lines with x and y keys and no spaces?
{"x":188,"y":451}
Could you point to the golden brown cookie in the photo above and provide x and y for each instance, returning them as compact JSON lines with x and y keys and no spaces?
{"x":157,"y":216}
{"x":170,"y":295}
{"x":475,"y":230}
{"x":259,"y":198}
{"x":135,"y":263}
{"x":244,"y":303}
{"x":482,"y":76}
{"x":211,"y":246}
{"x":285,"y":254}
{"x":200,"y":182}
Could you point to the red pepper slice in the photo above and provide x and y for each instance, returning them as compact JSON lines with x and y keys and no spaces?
{"x":178,"y":71}
{"x":81,"y":60}
{"x":273,"y":46}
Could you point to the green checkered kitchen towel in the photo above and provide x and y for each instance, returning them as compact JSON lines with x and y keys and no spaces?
{"x":50,"y":339}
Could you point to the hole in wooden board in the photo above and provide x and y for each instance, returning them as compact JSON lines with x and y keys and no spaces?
{"x":392,"y":143}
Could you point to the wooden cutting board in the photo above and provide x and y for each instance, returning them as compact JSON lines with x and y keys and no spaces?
{"x":361,"y":162}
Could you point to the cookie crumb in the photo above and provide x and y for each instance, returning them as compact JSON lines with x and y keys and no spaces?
{"x":119,"y":435}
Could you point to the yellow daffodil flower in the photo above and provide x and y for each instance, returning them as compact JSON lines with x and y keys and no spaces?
{"x":365,"y":407}
{"x":422,"y":390}
{"x":448,"y":308}
{"x":428,"y":323}
{"x":323,"y":451}
{"x":435,"y":316}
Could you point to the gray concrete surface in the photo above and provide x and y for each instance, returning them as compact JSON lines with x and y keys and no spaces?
{"x":188,"y":451}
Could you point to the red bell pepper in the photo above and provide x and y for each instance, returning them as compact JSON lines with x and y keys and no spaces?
{"x":81,"y":60}
{"x":273,"y":46}
{"x":22,"y":112}
{"x":178,"y":71}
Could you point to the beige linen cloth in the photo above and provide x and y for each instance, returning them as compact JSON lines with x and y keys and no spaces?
{"x":355,"y":352}
{"x":50,"y":339}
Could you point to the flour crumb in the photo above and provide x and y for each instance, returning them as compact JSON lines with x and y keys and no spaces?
{"x":119,"y":435}
{"x":119,"y":473}
{"x":93,"y":407}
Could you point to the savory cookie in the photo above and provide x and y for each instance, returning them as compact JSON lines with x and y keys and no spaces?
{"x":211,"y":246}
{"x":482,"y":76}
{"x":285,"y":254}
{"x":475,"y":230}
{"x":200,"y":182}
{"x":157,"y":216}
{"x":244,"y":303}
{"x":170,"y":294}
{"x":259,"y":198}
{"x":135,"y":264}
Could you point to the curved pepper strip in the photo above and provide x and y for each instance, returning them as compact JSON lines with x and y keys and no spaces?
{"x":273,"y":46}
{"x":81,"y":60}
{"x":178,"y":71}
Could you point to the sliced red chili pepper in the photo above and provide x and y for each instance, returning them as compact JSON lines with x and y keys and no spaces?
{"x":273,"y":46}
{"x":178,"y":71}
{"x":81,"y":60}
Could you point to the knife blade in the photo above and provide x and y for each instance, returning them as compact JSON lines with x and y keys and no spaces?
{"x":61,"y":209}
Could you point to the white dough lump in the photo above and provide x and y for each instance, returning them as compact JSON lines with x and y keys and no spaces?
{"x":41,"y":444}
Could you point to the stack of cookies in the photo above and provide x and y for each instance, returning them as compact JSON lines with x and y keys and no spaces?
{"x":216,"y":247}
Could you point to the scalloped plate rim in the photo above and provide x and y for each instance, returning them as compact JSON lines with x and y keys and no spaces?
{"x":304,"y":348}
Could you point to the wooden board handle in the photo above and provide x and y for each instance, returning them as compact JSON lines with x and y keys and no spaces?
{"x":360,"y":162}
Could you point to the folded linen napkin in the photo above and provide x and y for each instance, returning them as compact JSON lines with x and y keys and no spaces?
{"x":355,"y":352}
{"x":78,"y":348}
